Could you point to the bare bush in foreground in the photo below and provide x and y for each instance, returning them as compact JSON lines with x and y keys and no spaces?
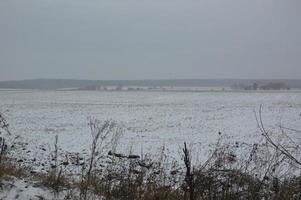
{"x":105,"y":136}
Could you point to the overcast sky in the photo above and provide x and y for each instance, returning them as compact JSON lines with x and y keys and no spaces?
{"x":150,"y":39}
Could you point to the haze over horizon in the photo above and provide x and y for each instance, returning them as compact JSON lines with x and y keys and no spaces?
{"x":150,"y":39}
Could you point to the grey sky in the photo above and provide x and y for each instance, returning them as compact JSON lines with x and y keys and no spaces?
{"x":150,"y":39}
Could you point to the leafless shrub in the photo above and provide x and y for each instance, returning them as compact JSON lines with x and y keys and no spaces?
{"x":7,"y":166}
{"x":105,"y":136}
{"x":3,"y":131}
{"x":4,"y":125}
{"x":55,"y":178}
{"x":133,"y":177}
{"x":287,"y":149}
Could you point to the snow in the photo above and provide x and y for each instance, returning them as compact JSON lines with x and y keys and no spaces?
{"x":20,"y":189}
{"x":149,"y":119}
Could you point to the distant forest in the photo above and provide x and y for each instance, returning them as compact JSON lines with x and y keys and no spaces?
{"x":54,"y":84}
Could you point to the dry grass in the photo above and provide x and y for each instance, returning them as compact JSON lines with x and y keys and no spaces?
{"x":9,"y":169}
{"x":57,"y":182}
{"x":224,"y":176}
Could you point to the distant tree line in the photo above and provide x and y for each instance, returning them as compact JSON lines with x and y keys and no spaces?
{"x":257,"y":86}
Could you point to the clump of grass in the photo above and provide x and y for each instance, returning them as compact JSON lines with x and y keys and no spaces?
{"x":55,"y":179}
{"x":133,"y":177}
{"x":9,"y":169}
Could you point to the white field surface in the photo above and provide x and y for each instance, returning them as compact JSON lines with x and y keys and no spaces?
{"x":149,"y":119}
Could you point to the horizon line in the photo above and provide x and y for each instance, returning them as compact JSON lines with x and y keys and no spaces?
{"x":163,"y":79}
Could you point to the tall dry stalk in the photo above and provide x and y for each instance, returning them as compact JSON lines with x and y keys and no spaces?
{"x":104,"y":136}
{"x":3,"y":129}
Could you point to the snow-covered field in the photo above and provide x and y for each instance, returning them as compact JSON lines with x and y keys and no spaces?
{"x":149,"y":119}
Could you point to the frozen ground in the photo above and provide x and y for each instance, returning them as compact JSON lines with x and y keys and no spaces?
{"x":20,"y":189}
{"x":149,"y":119}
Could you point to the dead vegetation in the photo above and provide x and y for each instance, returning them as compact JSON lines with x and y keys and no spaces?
{"x":8,"y":167}
{"x":267,"y":170}
{"x":3,"y":132}
{"x":55,"y":179}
